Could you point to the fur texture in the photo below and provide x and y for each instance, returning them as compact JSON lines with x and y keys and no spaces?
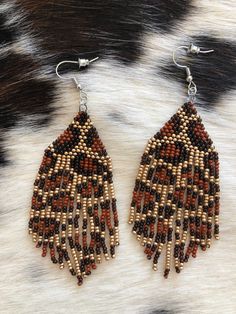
{"x":133,"y":90}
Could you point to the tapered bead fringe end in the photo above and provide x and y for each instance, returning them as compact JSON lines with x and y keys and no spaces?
{"x":73,"y":213}
{"x":175,"y":204}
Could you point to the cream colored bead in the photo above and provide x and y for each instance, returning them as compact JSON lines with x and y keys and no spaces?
{"x":154,"y":267}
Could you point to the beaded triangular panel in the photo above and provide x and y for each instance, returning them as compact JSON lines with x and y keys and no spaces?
{"x":73,"y":213}
{"x":175,"y":204}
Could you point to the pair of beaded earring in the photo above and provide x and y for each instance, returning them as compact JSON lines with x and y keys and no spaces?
{"x":74,"y":215}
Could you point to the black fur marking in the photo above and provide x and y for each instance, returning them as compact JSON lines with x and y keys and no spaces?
{"x":22,"y":95}
{"x":104,"y":27}
{"x":163,"y":15}
{"x":161,"y":312}
{"x":3,"y":158}
{"x":213,"y":73}
{"x":119,"y":117}
{"x":7,"y":35}
{"x":29,"y":98}
{"x":24,"y":99}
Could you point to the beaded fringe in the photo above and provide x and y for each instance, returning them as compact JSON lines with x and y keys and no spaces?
{"x":176,"y":195}
{"x":73,"y":213}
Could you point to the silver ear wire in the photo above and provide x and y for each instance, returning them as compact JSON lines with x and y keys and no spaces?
{"x":191,"y":49}
{"x":81,"y":63}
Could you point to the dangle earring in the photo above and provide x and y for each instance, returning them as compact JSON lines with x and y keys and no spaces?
{"x":175,"y":202}
{"x":73,"y":213}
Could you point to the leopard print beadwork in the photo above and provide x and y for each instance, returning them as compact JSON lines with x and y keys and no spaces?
{"x":73,"y":212}
{"x":175,"y":200}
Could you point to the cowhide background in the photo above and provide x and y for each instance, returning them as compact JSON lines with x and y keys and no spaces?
{"x":132,"y":91}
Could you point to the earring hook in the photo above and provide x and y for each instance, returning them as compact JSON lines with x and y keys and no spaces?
{"x":191,"y":49}
{"x":81,"y":63}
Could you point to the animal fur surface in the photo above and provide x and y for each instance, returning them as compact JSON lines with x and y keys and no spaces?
{"x":132,"y":91}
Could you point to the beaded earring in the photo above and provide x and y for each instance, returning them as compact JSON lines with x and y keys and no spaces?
{"x":73,"y":212}
{"x":176,"y":197}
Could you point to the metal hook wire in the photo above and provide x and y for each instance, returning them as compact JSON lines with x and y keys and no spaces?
{"x":174,"y":58}
{"x":81,"y":63}
{"x":191,"y":49}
